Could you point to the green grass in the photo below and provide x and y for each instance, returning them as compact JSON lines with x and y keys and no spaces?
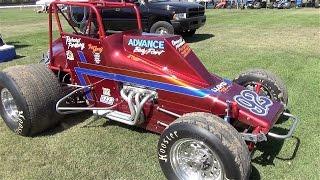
{"x":287,"y":42}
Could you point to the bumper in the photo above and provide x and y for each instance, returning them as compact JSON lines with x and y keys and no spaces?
{"x":262,"y":137}
{"x":188,"y":23}
{"x":292,"y":129}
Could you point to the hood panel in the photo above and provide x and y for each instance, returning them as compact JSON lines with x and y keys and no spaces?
{"x":170,"y":54}
{"x":176,"y":6}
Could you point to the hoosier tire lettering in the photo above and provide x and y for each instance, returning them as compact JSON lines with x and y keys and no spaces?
{"x":20,"y":127}
{"x":164,"y":144}
{"x":20,"y":123}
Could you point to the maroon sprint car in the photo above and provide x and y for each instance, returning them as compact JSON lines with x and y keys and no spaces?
{"x":208,"y":124}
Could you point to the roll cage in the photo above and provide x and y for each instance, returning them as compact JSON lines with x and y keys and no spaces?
{"x":94,"y":10}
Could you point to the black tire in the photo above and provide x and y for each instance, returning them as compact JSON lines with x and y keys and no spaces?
{"x":270,"y":6}
{"x":165,"y":26}
{"x":257,"y":5}
{"x":35,"y":90}
{"x":316,"y":3}
{"x":292,"y":5}
{"x":274,"y":86}
{"x":215,"y":133}
{"x":188,"y":33}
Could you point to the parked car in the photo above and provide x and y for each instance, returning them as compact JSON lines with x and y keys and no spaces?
{"x":255,"y":4}
{"x":158,"y":16}
{"x":282,"y":4}
{"x":43,"y":5}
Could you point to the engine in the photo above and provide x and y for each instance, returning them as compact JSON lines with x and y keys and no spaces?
{"x":136,"y":97}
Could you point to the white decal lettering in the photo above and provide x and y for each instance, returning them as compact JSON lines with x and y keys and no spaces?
{"x":165,"y":141}
{"x":222,"y":87}
{"x":178,"y":43}
{"x":107,"y":99}
{"x":72,"y":42}
{"x":144,"y":51}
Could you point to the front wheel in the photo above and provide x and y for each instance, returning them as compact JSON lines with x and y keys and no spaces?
{"x":268,"y":84}
{"x":162,"y":27}
{"x":203,"y":146}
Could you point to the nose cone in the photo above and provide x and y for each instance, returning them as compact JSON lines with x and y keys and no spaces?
{"x":253,"y":109}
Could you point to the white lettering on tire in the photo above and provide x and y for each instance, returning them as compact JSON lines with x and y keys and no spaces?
{"x":20,"y":123}
{"x":164,"y":145}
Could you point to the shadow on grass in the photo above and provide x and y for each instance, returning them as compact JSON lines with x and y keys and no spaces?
{"x":17,"y":44}
{"x":271,"y":148}
{"x":118,"y":124}
{"x":283,"y":118}
{"x":294,"y":153}
{"x":68,"y":122}
{"x":198,"y":37}
{"x":19,"y":57}
{"x":255,"y":175}
{"x":109,"y":123}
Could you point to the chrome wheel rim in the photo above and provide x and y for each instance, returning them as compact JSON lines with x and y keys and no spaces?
{"x":162,"y":30}
{"x":193,"y":159}
{"x":9,"y":105}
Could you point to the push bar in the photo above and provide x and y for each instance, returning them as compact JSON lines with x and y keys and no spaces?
{"x":293,"y":127}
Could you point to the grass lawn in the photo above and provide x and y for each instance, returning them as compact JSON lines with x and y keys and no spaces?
{"x":287,"y":42}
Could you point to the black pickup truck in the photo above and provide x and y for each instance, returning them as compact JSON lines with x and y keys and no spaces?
{"x":158,"y":16}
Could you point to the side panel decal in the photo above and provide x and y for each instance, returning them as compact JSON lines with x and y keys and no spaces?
{"x":190,"y":91}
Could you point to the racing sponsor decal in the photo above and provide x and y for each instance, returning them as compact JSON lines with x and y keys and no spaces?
{"x":72,"y":42}
{"x":222,"y":87}
{"x":145,"y":47}
{"x":69,"y":55}
{"x":258,"y":105}
{"x":181,"y":45}
{"x":162,"y":155}
{"x":96,"y":52}
{"x":107,"y":99}
{"x":106,"y":96}
{"x":106,"y":91}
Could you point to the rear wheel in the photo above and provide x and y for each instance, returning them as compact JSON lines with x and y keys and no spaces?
{"x":268,"y":83}
{"x":28,"y":98}
{"x":203,"y":146}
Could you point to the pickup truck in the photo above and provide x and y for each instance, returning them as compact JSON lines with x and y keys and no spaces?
{"x":158,"y":16}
